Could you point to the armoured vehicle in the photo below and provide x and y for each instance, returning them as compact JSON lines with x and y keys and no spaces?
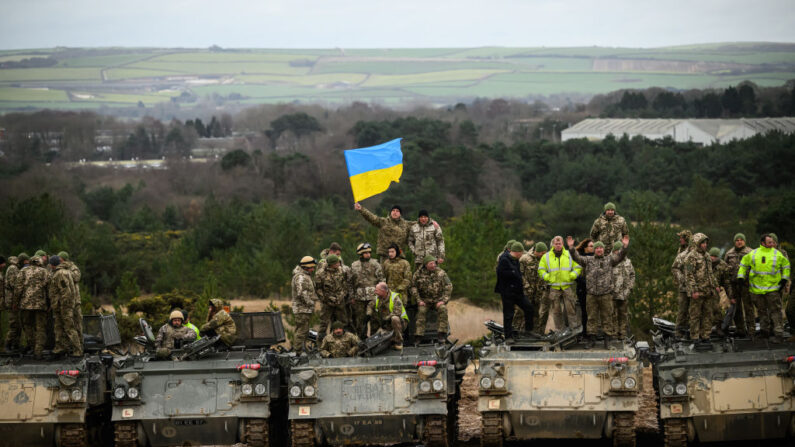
{"x":59,"y":402}
{"x":553,"y":387}
{"x":205,"y":393}
{"x":723,"y":390}
{"x":382,"y":396}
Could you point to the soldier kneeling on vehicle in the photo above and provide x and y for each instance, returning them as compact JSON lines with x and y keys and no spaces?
{"x":220,"y":323}
{"x":387,"y":312}
{"x":339,"y":343}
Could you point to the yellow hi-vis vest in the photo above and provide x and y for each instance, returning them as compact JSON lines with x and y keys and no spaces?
{"x":392,"y":296}
{"x":194,"y":328}
{"x":559,"y":271}
{"x":767,"y":267}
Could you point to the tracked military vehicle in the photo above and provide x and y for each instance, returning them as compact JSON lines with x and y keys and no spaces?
{"x":382,"y":396}
{"x":205,"y":393}
{"x":723,"y":390}
{"x":59,"y":402}
{"x":553,"y":387}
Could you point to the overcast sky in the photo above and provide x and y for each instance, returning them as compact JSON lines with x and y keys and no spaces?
{"x":391,"y":24}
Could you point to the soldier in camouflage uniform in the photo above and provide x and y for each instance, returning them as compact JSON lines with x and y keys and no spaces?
{"x":432,"y":288}
{"x":609,"y":228}
{"x":77,"y":312}
{"x":366,"y":274}
{"x":63,"y":296}
{"x":339,"y":343}
{"x":599,"y":283}
{"x":701,"y":287}
{"x":425,"y":238}
{"x":31,"y":290}
{"x":397,"y":272}
{"x":391,"y":230}
{"x":744,"y":315}
{"x":723,"y":278}
{"x":304,"y":298}
{"x":333,"y":249}
{"x":173,"y":333}
{"x":11,"y":304}
{"x":789,"y":311}
{"x":623,"y":283}
{"x":535,"y":288}
{"x":220,"y":323}
{"x":678,"y":271}
{"x":333,"y":287}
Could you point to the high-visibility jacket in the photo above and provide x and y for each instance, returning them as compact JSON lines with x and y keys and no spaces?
{"x":195,"y":329}
{"x":392,"y":296}
{"x":559,"y":271}
{"x":766,"y":268}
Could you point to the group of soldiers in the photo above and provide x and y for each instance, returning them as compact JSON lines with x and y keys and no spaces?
{"x":179,"y":331}
{"x":384,"y":294}
{"x":39,"y":293}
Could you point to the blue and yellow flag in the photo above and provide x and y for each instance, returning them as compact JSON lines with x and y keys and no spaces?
{"x":372,"y":169}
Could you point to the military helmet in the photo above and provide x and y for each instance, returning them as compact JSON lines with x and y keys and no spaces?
{"x":308,"y":262}
{"x":176,"y":314}
{"x":364,"y":248}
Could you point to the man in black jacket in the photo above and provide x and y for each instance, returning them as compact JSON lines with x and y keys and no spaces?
{"x":509,"y":286}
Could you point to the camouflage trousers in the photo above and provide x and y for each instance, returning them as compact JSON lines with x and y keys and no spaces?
{"x":600,"y":314}
{"x":395,"y":323}
{"x":715,"y":311}
{"x":68,"y":335}
{"x":359,"y":318}
{"x":543,"y":310}
{"x":683,"y":312}
{"x":790,"y":312}
{"x":700,"y":313}
{"x":621,"y":310}
{"x":34,"y":325}
{"x":563,"y":308}
{"x":441,"y":316}
{"x":14,"y":334}
{"x":301,"y":331}
{"x":769,"y":307}
{"x":329,"y":313}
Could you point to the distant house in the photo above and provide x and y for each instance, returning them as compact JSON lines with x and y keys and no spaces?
{"x":700,"y":131}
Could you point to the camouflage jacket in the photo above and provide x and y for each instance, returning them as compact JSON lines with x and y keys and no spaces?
{"x":723,"y":276}
{"x":623,"y":279}
{"x":528,"y":265}
{"x":398,"y":275}
{"x":678,"y":268}
{"x":732,"y":257}
{"x":599,"y":270}
{"x":431,"y":286}
{"x":390,"y":231}
{"x":322,"y":263}
{"x":31,"y":288}
{"x":609,"y":231}
{"x":76,"y":275}
{"x":10,"y":280}
{"x":168,"y":333}
{"x":426,"y":240}
{"x":698,"y":273}
{"x":304,"y":296}
{"x":61,"y":290}
{"x":223,"y":325}
{"x":332,"y":286}
{"x":345,"y":345}
{"x":366,"y":274}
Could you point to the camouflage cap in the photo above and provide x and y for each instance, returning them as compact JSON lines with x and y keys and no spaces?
{"x":616,"y":245}
{"x":610,"y":206}
{"x":40,"y":253}
{"x":599,"y":244}
{"x":428,"y":258}
{"x":540,"y":246}
{"x":332,"y":259}
{"x":517,"y":246}
{"x":337,"y":325}
{"x":714,"y":251}
{"x":63,"y":255}
{"x":217,"y":303}
{"x":23,"y":257}
{"x":739,"y":236}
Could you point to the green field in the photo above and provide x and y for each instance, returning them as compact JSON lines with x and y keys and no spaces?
{"x":119,"y":77}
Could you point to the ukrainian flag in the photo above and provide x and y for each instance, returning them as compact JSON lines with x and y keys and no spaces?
{"x":372,"y":169}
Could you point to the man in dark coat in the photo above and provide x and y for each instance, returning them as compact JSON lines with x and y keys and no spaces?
{"x":511,"y":290}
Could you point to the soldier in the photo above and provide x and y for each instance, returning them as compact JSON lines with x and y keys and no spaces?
{"x":432,"y":288}
{"x":609,"y":228}
{"x":623,"y":283}
{"x":41,"y":254}
{"x":77,"y":312}
{"x":186,"y":322}
{"x":701,"y":286}
{"x":789,"y":312}
{"x":333,"y":249}
{"x":63,"y":296}
{"x":220,"y":323}
{"x":366,"y":274}
{"x":339,"y":343}
{"x":387,"y":312}
{"x":304,"y":298}
{"x":173,"y":334}
{"x":392,"y":229}
{"x":599,"y":281}
{"x":425,"y":238}
{"x":397,"y":272}
{"x":722,"y":274}
{"x":744,"y":319}
{"x":769,"y":276}
{"x":534,"y":287}
{"x":11,"y":304}
{"x":559,"y":271}
{"x":511,"y":289}
{"x":333,"y":288}
{"x":678,"y":271}
{"x":31,"y":290}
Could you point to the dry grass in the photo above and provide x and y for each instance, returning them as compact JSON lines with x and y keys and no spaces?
{"x":466,"y":319}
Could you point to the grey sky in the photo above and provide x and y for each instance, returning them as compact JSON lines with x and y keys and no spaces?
{"x":391,"y":24}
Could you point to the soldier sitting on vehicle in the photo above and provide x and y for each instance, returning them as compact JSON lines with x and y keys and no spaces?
{"x":339,"y":343}
{"x":173,"y":335}
{"x":387,"y":311}
{"x":432,"y":288}
{"x":219,"y":322}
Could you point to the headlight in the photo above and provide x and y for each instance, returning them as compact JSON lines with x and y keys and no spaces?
{"x":485,"y":382}
{"x":295,"y":391}
{"x":615,"y":383}
{"x":119,"y":393}
{"x":630,"y":383}
{"x":63,"y":396}
{"x":247,"y":389}
{"x":132,"y":393}
{"x":499,"y":382}
{"x":438,"y":385}
{"x":681,"y":388}
{"x":425,"y":386}
{"x":668,"y":389}
{"x":309,"y":391}
{"x":260,"y":389}
{"x":77,"y":394}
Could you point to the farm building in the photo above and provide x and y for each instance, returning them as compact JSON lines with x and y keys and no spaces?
{"x":701,"y":131}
